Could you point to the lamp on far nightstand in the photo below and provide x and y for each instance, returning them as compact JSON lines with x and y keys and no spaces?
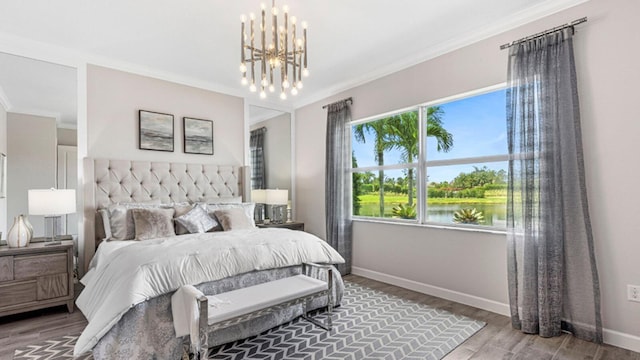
{"x":52,"y":203}
{"x":259,"y":197}
{"x":278,"y":200}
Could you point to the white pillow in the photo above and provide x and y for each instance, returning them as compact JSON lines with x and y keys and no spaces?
{"x":247,"y":207}
{"x":234,"y":219}
{"x":222,"y":200}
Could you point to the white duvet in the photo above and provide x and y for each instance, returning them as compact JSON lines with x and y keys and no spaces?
{"x":126,"y":273}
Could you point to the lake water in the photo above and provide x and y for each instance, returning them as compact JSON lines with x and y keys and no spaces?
{"x":494,"y":214}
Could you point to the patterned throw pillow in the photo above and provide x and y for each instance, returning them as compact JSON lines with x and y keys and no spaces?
{"x":197,"y":220}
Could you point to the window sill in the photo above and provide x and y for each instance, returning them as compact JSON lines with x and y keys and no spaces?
{"x":468,"y":228}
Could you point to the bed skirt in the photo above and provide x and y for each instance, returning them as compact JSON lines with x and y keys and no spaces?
{"x":146,"y":330}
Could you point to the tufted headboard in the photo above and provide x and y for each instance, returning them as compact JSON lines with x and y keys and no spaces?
{"x":108,"y":182}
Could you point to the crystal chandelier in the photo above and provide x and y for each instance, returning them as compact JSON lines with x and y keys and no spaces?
{"x":279,"y":53}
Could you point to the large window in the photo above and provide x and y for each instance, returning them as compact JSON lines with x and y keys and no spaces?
{"x":440,"y":163}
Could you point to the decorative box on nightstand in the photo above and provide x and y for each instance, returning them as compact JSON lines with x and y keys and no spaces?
{"x":289,"y":225}
{"x":36,"y":277}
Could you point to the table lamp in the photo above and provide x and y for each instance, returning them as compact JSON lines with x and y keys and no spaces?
{"x":52,"y":203}
{"x":278,"y":200}
{"x":259,"y":197}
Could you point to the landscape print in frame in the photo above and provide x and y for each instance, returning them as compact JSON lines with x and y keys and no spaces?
{"x":198,"y":136}
{"x":156,"y":131}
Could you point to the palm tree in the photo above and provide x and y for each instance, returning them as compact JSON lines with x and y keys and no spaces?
{"x":379,"y":129}
{"x":435,"y":129}
{"x":403,"y":131}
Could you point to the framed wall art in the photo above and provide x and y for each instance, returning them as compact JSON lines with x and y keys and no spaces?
{"x":156,"y":131}
{"x":198,"y":136}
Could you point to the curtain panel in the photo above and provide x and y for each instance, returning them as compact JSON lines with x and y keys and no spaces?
{"x":258,"y":172}
{"x":553,"y":280}
{"x":338,"y":182}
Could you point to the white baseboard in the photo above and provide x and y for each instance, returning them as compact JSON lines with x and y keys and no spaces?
{"x":623,"y":340}
{"x":462,"y":298}
{"x":611,"y":337}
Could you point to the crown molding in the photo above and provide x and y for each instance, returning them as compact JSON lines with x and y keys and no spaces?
{"x":36,"y":112}
{"x":521,"y":18}
{"x":66,"y":125}
{"x":73,"y":58}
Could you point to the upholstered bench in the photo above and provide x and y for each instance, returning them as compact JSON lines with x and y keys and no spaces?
{"x":233,"y":307}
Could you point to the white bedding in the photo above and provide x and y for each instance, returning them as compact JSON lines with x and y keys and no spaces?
{"x":126,"y":273}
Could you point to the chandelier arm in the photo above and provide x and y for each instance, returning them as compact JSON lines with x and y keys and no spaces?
{"x":263,"y":76}
{"x":273,"y":52}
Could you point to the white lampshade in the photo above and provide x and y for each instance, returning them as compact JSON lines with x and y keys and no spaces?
{"x":259,"y":196}
{"x":277,"y":197}
{"x":52,"y":201}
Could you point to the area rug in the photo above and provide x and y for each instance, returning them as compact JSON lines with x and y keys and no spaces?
{"x":368,"y":325}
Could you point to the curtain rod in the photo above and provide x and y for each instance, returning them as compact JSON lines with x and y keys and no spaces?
{"x":349,"y":99}
{"x":543,"y":33}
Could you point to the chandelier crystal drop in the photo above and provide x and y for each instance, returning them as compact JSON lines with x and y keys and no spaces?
{"x":280,"y":55}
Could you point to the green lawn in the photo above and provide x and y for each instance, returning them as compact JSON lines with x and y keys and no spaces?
{"x":369,"y":202}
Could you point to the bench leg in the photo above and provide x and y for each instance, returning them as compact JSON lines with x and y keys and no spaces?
{"x":202,"y":355}
{"x":328,"y":324}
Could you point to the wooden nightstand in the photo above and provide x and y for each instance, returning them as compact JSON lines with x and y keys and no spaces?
{"x":36,"y":277}
{"x":290,"y":225}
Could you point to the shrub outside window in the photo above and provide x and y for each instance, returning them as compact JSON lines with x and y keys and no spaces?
{"x":440,"y":163}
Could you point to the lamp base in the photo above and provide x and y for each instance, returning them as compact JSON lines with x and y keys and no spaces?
{"x":52,"y":229}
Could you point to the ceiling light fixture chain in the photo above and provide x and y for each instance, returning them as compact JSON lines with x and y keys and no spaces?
{"x":274,"y":54}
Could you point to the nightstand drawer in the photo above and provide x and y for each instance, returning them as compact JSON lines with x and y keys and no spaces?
{"x":30,"y":266}
{"x":6,"y":268}
{"x":19,"y":293}
{"x":53,"y":286}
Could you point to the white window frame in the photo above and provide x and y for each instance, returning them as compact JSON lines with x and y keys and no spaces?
{"x":422,"y":164}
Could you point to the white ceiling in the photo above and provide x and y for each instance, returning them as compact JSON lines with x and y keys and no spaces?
{"x":197,"y":41}
{"x":38,"y":88}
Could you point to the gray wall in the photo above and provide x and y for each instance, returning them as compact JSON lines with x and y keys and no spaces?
{"x":468,"y":266}
{"x":31,"y":158}
{"x":67,"y":137}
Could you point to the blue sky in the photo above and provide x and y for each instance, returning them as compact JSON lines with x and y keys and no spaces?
{"x":478,"y":126}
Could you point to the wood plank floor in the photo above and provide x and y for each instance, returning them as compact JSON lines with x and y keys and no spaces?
{"x":496,"y":341}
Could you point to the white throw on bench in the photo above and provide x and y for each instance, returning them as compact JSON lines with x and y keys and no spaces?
{"x":198,"y":315}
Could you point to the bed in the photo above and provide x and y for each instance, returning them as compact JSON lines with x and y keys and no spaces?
{"x":129,"y":283}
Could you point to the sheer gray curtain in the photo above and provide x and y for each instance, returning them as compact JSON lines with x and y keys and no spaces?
{"x":338,"y":182}
{"x":553,"y":281}
{"x":256,"y":144}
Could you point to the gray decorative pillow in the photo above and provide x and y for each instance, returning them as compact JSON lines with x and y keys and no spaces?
{"x":121,"y":219}
{"x":234,"y":219}
{"x":179,"y":211}
{"x":153,"y":223}
{"x":197,"y":220}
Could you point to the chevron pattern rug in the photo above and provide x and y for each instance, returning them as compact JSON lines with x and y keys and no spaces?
{"x":60,"y":348}
{"x":368,"y":325}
